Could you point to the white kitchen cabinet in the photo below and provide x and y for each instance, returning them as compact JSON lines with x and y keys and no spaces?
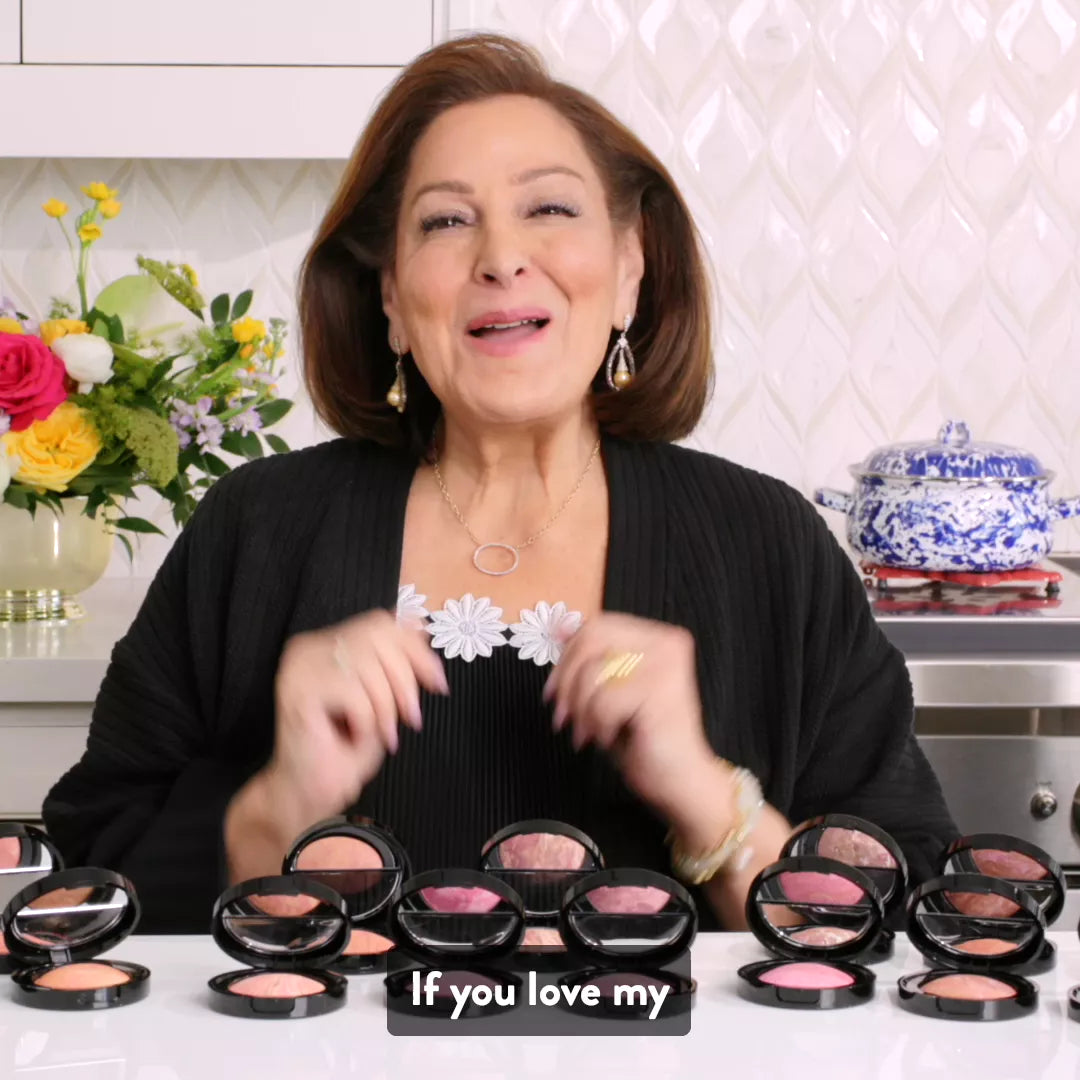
{"x":10,"y":42}
{"x":269,"y":32}
{"x":205,"y":78}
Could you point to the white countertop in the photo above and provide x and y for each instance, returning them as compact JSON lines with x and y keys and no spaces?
{"x":173,"y":1034}
{"x":66,"y":661}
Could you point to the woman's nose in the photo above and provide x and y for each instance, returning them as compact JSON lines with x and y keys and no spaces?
{"x":501,"y":257}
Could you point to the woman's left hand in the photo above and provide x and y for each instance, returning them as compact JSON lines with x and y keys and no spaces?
{"x":629,"y":685}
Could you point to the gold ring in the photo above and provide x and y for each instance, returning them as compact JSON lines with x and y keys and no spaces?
{"x":618,"y":667}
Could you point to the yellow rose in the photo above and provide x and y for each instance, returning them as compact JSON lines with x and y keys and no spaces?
{"x":52,"y":452}
{"x":89,"y":233}
{"x":53,"y":329}
{"x":11,"y":326}
{"x":248,"y":329}
{"x":99,"y":191}
{"x":55,"y":208}
{"x":110,"y":207}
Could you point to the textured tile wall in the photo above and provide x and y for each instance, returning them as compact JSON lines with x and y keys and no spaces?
{"x":889,"y":192}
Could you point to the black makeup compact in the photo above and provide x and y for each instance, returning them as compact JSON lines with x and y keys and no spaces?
{"x":977,"y":931}
{"x":366,"y":865}
{"x":540,"y":859}
{"x":862,"y":844}
{"x":817,"y":915}
{"x":629,"y":926}
{"x":459,"y":925}
{"x":1023,"y":865}
{"x":26,"y":855}
{"x":288,"y":930}
{"x":53,"y":930}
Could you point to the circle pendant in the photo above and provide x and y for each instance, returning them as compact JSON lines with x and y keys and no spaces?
{"x":496,"y":573}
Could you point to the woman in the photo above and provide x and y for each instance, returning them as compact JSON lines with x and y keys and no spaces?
{"x":505,"y":317}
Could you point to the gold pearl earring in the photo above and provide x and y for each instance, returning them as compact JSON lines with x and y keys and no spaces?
{"x":620,"y":362}
{"x":397,"y":395}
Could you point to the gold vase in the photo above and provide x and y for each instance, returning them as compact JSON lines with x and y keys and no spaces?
{"x":48,"y":559}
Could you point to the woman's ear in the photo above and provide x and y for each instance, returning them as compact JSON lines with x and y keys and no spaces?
{"x":631,"y":269}
{"x":388,"y":289}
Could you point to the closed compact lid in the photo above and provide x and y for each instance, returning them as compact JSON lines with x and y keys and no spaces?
{"x":952,"y":456}
{"x":283,"y":923}
{"x":72,"y":915}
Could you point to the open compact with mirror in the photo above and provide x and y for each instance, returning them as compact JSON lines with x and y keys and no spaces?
{"x":1025,"y":867}
{"x":977,"y":931}
{"x":53,"y":930}
{"x":288,"y":930}
{"x":818,"y":916}
{"x":540,"y":860}
{"x":629,"y":926}
{"x":366,"y":865}
{"x":26,"y":855}
{"x":461,"y":923}
{"x":863,"y":845}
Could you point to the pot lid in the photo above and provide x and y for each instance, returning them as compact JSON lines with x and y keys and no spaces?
{"x":953,"y":456}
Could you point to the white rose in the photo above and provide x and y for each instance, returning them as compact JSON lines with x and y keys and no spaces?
{"x":87,"y":357}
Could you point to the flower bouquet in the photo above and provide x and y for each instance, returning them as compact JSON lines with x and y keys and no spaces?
{"x":148,"y":386}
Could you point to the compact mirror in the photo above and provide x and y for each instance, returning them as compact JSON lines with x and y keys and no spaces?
{"x":71,"y":918}
{"x":296,"y":925}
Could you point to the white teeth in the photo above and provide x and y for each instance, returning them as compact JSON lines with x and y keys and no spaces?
{"x":510,"y":325}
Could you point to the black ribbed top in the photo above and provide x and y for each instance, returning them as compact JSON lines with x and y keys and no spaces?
{"x":797,"y":681}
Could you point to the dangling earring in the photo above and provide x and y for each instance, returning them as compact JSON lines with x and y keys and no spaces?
{"x":397,"y":395}
{"x":620,"y":362}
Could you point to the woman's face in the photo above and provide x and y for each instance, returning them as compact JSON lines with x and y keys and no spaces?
{"x":509,"y":274}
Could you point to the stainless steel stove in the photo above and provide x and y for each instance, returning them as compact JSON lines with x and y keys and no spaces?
{"x":996,"y":676}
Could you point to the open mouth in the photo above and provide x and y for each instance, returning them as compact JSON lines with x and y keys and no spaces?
{"x":508,"y":331}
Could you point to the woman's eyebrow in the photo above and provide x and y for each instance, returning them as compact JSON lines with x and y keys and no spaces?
{"x":459,"y":187}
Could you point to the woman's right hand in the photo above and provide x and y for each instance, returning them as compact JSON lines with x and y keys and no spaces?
{"x":340,"y":693}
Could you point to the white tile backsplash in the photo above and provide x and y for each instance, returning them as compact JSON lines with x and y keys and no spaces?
{"x":889,"y":192}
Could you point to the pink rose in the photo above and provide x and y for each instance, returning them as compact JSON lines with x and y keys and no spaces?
{"x":31,"y":379}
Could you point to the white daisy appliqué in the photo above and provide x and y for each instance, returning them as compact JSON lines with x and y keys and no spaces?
{"x":410,"y":605}
{"x":536,"y":637}
{"x":467,"y":628}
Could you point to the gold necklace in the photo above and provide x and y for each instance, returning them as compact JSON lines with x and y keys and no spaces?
{"x":514,"y":549}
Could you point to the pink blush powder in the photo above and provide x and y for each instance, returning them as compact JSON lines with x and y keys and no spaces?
{"x":824,"y":935}
{"x":807,"y":977}
{"x":855,"y":848}
{"x":10,"y":850}
{"x":1008,"y":864}
{"x":82,"y":977}
{"x":461,"y":899}
{"x":969,"y":988}
{"x":628,"y":899}
{"x":273,"y":984}
{"x":541,"y":851}
{"x":811,"y":887}
{"x":986,"y":947}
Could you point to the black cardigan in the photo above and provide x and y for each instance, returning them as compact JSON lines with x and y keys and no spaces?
{"x":797,"y":681}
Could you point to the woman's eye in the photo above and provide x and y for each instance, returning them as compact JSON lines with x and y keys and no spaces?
{"x":441,"y":221}
{"x":553,"y":208}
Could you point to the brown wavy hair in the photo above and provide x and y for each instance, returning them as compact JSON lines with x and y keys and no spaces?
{"x":348,"y":362}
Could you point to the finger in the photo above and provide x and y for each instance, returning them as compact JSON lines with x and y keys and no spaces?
{"x":598,"y":711}
{"x":380,"y":698}
{"x":403,"y":685}
{"x":426,"y":665}
{"x":577,"y":645}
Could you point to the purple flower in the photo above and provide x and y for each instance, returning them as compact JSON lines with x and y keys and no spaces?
{"x":186,"y":418}
{"x":210,"y":431}
{"x":246,"y":422}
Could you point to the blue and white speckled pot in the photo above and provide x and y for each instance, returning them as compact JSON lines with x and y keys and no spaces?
{"x":952,"y":504}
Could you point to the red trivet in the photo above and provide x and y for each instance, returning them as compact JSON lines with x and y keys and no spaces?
{"x":1033,"y":575}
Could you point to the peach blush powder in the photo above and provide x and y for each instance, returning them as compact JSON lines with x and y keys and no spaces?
{"x":628,"y":899}
{"x":339,"y":853}
{"x":807,"y":977}
{"x":968,"y":988}
{"x":10,"y":850}
{"x":1008,"y":864}
{"x":824,"y":935}
{"x":277,"y":984}
{"x":82,"y":977}
{"x":986,"y":946}
{"x":542,"y":935}
{"x":366,"y":943}
{"x":987,"y":905}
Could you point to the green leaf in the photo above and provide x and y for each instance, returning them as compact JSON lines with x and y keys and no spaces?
{"x":241,"y":305}
{"x":139,"y":525}
{"x":233,"y":443}
{"x":17,"y":497}
{"x":214,"y":465}
{"x":100,"y":328}
{"x":219,"y":309}
{"x":273,"y":411}
{"x":161,"y":369}
{"x":277,"y":443}
{"x":252,"y":447}
{"x":127,"y":543}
